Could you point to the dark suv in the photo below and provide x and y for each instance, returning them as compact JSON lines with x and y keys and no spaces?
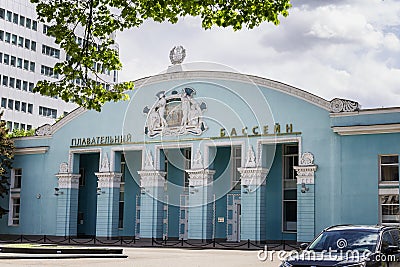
{"x":350,"y":245}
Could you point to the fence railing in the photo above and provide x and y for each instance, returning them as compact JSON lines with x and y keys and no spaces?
{"x":152,"y":242}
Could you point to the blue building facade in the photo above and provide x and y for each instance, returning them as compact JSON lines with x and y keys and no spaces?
{"x":198,"y":155}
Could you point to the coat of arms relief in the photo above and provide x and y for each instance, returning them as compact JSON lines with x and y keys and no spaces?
{"x":175,"y":113}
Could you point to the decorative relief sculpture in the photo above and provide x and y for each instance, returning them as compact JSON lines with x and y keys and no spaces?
{"x":148,"y":163}
{"x":343,"y":105}
{"x":105,"y":163}
{"x":175,"y":114}
{"x":44,"y":130}
{"x":177,"y":55}
{"x":197,"y":162}
{"x":251,"y":158}
{"x":307,"y":159}
{"x":63,"y":167}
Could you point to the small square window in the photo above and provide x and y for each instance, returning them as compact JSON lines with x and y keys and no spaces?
{"x":23,"y":126}
{"x":28,"y":127}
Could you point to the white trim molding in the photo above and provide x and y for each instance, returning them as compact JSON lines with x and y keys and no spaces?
{"x":253,"y":176}
{"x":151,"y":178}
{"x":367,"y":129}
{"x":200,"y":177}
{"x":108,"y":179}
{"x":68,"y":180}
{"x":306,"y":169}
{"x":31,"y":150}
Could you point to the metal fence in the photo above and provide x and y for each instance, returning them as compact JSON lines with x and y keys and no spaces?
{"x":152,"y":242}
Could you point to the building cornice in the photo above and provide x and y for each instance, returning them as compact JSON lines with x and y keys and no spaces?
{"x":31,"y":150}
{"x":367,"y":129}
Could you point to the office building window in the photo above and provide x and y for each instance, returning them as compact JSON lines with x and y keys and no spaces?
{"x":21,"y":41}
{"x":47,"y":112}
{"x":2,"y":13}
{"x":30,"y":108}
{"x":6,"y":59}
{"x":23,"y":107}
{"x":9,"y":16}
{"x":17,"y":105}
{"x":25,"y":85}
{"x":28,"y":23}
{"x":26,"y":64}
{"x":33,"y":45}
{"x":32,"y":66}
{"x":389,"y":168}
{"x":21,"y":20}
{"x":4,"y":102}
{"x":14,"y":39}
{"x":19,"y":63}
{"x":27,"y":43}
{"x":289,"y":197}
{"x":31,"y":86}
{"x":7,"y":37}
{"x":1,"y":35}
{"x":5,"y":80}
{"x":12,"y":82}
{"x":15,"y":18}
{"x":13,"y":61}
{"x":34,"y":25}
{"x":18,"y":84}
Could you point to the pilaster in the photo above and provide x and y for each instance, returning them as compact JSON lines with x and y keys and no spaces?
{"x":108,"y":187}
{"x":67,"y":201}
{"x":253,"y":215}
{"x":200,"y":203}
{"x":306,"y":198}
{"x":151,"y":205}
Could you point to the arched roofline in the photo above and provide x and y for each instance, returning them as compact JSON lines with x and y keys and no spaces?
{"x":188,"y":75}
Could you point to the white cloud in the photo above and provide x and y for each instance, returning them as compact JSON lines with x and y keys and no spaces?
{"x":347,"y":49}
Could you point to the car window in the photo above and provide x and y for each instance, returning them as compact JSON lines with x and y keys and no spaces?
{"x":387,"y":240}
{"x":395,"y":235}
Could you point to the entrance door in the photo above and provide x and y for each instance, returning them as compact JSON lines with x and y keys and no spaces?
{"x":183,"y":217}
{"x":233,"y":217}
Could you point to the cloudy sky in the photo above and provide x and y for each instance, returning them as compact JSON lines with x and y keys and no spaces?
{"x":337,"y":48}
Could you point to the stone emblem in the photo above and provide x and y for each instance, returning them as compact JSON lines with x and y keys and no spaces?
{"x":177,"y":55}
{"x":175,"y":114}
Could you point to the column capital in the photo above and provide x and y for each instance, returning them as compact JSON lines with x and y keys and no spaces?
{"x":200,"y":177}
{"x":108,"y":179}
{"x":152,"y":178}
{"x":68,"y":180}
{"x":253,"y":176}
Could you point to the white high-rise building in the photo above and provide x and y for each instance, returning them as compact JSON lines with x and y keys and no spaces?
{"x":28,"y":55}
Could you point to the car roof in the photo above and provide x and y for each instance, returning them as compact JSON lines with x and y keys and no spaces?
{"x":372,"y":228}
